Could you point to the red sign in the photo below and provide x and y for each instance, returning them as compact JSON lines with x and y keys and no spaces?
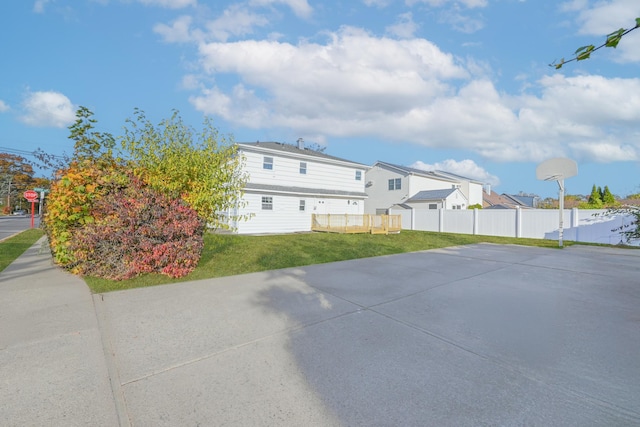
{"x":30,"y":195}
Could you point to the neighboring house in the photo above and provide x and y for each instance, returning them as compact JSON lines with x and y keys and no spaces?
{"x":451,"y":198}
{"x":528,"y":200}
{"x":493,"y":200}
{"x":471,"y":188}
{"x":388,"y":185}
{"x":287,"y":183}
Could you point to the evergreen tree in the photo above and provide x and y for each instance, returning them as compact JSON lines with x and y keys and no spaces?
{"x":594,"y":197}
{"x":607,"y":197}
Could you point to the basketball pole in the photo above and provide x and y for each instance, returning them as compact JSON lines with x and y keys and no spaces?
{"x":561,"y":202}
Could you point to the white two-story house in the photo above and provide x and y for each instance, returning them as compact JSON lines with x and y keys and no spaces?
{"x":388,"y":185}
{"x":288,"y":183}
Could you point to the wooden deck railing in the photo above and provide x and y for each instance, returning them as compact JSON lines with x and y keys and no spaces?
{"x":349,"y":223}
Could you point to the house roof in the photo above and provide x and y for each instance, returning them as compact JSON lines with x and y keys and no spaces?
{"x":427,"y":195}
{"x":293,"y":149}
{"x":418,"y":172}
{"x":456,"y":176}
{"x":500,"y":201}
{"x":283,"y":189}
{"x":529,"y":201}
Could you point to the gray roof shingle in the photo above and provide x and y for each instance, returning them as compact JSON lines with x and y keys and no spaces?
{"x":427,"y":195}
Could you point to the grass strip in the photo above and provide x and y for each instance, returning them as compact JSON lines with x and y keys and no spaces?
{"x":15,"y":246}
{"x":229,"y":254}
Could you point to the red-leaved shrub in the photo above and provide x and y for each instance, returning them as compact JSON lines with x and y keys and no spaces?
{"x":138,"y":230}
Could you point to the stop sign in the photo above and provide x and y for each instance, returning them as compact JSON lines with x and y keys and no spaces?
{"x":30,"y":195}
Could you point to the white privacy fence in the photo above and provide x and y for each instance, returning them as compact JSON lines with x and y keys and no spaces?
{"x":585,"y":225}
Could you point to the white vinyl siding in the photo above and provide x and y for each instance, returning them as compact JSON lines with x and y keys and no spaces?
{"x":286,"y":216}
{"x":286,"y":171}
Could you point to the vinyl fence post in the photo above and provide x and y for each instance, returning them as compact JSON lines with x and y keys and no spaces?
{"x":518,"y":221}
{"x":441,"y":220}
{"x":475,"y":221}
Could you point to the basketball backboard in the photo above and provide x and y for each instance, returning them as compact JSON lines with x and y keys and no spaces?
{"x":556,"y":169}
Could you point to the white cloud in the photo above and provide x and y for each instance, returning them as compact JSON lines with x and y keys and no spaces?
{"x":177,"y":32}
{"x":604,"y":17}
{"x":44,"y":109}
{"x":467,"y":168}
{"x":237,"y":20}
{"x":606,"y":152}
{"x":404,"y":28}
{"x":354,"y":76}
{"x":38,"y":6}
{"x":574,"y":5}
{"x":358,"y":85}
{"x":461,"y":22}
{"x":377,"y":3}
{"x":300,"y":7}
{"x":3,"y":106}
{"x":438,"y":3}
{"x":170,"y":4}
{"x":456,"y":13}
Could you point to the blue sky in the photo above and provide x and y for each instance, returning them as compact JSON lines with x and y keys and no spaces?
{"x":462,"y":86}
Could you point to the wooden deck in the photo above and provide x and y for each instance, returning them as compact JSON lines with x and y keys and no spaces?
{"x":347,"y":223}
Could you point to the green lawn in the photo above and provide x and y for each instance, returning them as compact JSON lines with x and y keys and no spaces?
{"x":227,"y":254}
{"x":15,"y":246}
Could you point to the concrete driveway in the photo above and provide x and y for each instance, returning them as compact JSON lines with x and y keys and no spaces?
{"x":466,"y":336}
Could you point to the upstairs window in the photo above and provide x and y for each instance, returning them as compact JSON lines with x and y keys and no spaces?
{"x":395,"y":184}
{"x":358,"y":175}
{"x":302,"y":205}
{"x":267,"y":163}
{"x":303,"y":168}
{"x":267,"y":203}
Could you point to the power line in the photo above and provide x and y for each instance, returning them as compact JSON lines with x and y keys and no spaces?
{"x":27,"y":153}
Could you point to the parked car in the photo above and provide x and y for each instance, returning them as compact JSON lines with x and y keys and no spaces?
{"x":19,"y":212}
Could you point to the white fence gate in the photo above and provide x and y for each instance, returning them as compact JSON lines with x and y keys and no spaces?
{"x":585,"y":225}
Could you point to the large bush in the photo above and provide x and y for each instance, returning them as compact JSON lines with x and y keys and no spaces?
{"x":70,"y":203}
{"x":138,"y":230}
{"x":105,"y":222}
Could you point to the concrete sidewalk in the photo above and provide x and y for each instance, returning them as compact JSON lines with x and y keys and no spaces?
{"x":475,"y":335}
{"x":52,"y":364}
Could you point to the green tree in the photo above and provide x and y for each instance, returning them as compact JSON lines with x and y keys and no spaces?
{"x":203,"y":169}
{"x":585,"y":52}
{"x":16,"y":176}
{"x":607,"y":197}
{"x":595,"y":201}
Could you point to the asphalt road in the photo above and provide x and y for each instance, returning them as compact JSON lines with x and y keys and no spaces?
{"x":13,"y":224}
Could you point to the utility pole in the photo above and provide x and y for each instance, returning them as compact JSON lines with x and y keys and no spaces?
{"x":9,"y":193}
